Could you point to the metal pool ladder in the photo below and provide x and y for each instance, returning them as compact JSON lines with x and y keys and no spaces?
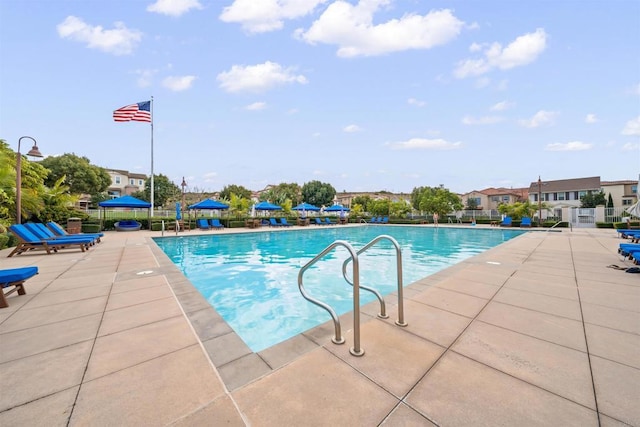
{"x":355,"y":283}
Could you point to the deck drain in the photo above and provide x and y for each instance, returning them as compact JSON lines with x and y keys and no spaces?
{"x":493,"y":262}
{"x":140,"y":273}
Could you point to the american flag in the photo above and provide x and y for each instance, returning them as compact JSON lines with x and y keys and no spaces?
{"x":140,"y":112}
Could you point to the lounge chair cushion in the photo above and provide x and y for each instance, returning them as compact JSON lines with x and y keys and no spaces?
{"x":14,"y":278}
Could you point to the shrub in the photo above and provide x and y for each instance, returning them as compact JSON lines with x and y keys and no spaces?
{"x":4,"y":241}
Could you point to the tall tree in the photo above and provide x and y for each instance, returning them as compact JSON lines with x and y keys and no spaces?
{"x":591,"y":199}
{"x":81,"y":176}
{"x":318,"y":193}
{"x":238,"y":190}
{"x":282,"y":192}
{"x":164,"y":191}
{"x":437,"y":200}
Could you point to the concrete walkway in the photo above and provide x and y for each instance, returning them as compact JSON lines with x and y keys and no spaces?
{"x":538,"y":331}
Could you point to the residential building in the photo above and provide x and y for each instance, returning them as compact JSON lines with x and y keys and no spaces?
{"x":491,"y":198}
{"x":564,"y":193}
{"x":623,"y":193}
{"x":124,"y":182}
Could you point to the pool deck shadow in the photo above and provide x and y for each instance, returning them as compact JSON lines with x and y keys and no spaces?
{"x":536,"y":331}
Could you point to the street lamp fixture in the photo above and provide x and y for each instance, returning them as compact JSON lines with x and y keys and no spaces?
{"x":539,"y":202}
{"x":34,"y":152}
{"x":184,"y":184}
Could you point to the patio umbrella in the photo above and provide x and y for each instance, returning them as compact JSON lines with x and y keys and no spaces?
{"x":337,"y":208}
{"x":306,"y":207}
{"x":266,"y":206}
{"x":178,"y":211}
{"x":634,"y":209}
{"x":209,"y":204}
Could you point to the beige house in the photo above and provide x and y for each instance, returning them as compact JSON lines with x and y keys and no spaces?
{"x":623,"y":193}
{"x":491,"y":198}
{"x":124,"y":182}
{"x":564,"y":193}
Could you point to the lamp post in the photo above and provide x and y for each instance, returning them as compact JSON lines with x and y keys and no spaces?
{"x":184,"y":184}
{"x":539,"y":202}
{"x":34,"y":152}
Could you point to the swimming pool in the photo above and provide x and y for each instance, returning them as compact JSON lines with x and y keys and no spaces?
{"x":251,"y":279}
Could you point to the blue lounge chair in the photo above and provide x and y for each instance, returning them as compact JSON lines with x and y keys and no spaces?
{"x":61,"y":232}
{"x":215,"y":223}
{"x":318,"y":221}
{"x":27,"y":241}
{"x":42,"y":232}
{"x":284,"y":223}
{"x":384,"y":220}
{"x":203,"y":224}
{"x":373,"y":220}
{"x":274,"y":223}
{"x":327,"y":221}
{"x":14,"y":278}
{"x":526,"y":222}
{"x":506,"y":222}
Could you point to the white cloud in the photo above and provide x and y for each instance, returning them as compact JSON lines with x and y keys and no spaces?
{"x":416,"y":102}
{"x":475,"y":47}
{"x":351,"y":28}
{"x":482,"y":82}
{"x":522,"y":51}
{"x":352,"y":128}
{"x":260,"y":16}
{"x":178,"y":83}
{"x":424,"y":144}
{"x":502,"y":106}
{"x":258,"y":78}
{"x":631,"y":147}
{"x":632,"y":127}
{"x":293,"y":111}
{"x":173,"y":7}
{"x":487,"y":120}
{"x":145,"y":77}
{"x":541,"y":118}
{"x":569,"y":146}
{"x":590,"y":118}
{"x":256,"y":106}
{"x":118,"y":41}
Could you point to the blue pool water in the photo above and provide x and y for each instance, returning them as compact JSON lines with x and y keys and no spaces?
{"x":251,"y":279}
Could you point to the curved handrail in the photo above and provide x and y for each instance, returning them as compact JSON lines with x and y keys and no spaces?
{"x":383,"y":314}
{"x":338,"y":339}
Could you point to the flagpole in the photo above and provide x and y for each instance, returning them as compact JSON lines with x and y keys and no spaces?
{"x":152,"y":186}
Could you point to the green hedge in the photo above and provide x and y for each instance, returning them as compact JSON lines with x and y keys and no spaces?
{"x":4,"y":242}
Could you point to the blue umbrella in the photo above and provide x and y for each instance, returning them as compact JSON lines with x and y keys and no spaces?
{"x":306,"y":207}
{"x":178,"y":211}
{"x":337,"y":208}
{"x":209,"y":204}
{"x":266,"y":206}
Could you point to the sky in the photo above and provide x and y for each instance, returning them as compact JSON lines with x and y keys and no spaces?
{"x":366,"y":95}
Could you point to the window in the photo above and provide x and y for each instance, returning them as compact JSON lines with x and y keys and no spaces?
{"x":140,"y":182}
{"x":627,"y":202}
{"x":132,"y":181}
{"x":476,"y":199}
{"x":560,"y":196}
{"x":634,"y":189}
{"x":505,"y":199}
{"x":117,"y":179}
{"x":495,"y":199}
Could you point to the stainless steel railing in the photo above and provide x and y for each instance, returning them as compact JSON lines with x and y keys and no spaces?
{"x":356,"y":350}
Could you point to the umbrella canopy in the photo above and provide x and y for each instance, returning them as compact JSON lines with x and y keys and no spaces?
{"x":125,"y":202}
{"x":337,"y":208}
{"x":306,"y":207}
{"x":266,"y":206}
{"x":178,"y":211}
{"x":209,"y":204}
{"x":634,"y":209}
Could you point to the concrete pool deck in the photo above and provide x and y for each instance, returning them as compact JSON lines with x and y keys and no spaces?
{"x":537,"y":331}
